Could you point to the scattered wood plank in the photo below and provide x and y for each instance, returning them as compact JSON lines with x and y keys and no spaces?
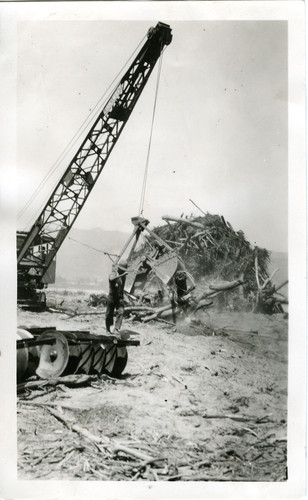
{"x":187,"y":222}
{"x":68,"y":380}
{"x":99,"y":440}
{"x":226,"y":285}
{"x":240,"y":418}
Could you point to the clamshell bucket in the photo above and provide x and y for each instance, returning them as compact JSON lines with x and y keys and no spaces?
{"x":165,"y":267}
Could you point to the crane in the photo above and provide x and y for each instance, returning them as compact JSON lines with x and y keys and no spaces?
{"x":37,"y":249}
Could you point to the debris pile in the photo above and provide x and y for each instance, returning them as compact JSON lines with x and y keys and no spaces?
{"x":220,"y":259}
{"x":192,"y":263}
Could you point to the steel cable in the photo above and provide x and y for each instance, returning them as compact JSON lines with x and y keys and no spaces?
{"x":143,"y":190}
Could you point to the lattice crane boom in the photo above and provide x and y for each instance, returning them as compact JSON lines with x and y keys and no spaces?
{"x":75,"y":185}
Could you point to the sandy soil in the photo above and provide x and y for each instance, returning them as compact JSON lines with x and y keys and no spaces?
{"x":205,"y":400}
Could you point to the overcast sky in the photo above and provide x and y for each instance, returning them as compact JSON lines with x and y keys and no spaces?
{"x":220,"y":130}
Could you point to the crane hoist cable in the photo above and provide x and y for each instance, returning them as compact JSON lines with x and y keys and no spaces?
{"x":143,"y":190}
{"x":94,"y":112}
{"x":95,"y":249}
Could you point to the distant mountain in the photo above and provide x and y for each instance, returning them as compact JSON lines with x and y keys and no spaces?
{"x":81,"y":261}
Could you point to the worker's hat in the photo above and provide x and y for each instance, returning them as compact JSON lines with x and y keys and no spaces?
{"x":122,"y":264}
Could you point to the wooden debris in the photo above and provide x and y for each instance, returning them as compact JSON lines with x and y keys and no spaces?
{"x":226,"y":285}
{"x":69,"y":380}
{"x":80,"y":453}
{"x":240,"y":418}
{"x":211,"y":249}
{"x":188,"y":222}
{"x":99,"y":440}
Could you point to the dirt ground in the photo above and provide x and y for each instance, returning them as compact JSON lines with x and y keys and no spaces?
{"x":203,"y":401}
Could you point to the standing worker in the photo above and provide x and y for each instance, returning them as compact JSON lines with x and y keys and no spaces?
{"x":115,"y":300}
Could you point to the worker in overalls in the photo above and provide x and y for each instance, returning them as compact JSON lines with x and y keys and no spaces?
{"x":115,"y":300}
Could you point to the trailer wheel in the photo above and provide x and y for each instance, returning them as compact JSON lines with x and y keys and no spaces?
{"x":22,"y":361}
{"x":54,"y":355}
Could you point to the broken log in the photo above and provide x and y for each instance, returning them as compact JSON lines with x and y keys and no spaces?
{"x":281,"y":286}
{"x":199,"y":234}
{"x":98,"y":441}
{"x":197,"y":206}
{"x":281,"y":301}
{"x":156,"y":313}
{"x":188,"y":222}
{"x":139,"y":309}
{"x":269,"y":279}
{"x":68,"y":311}
{"x":202,"y":303}
{"x":227,"y":285}
{"x":161,"y":312}
{"x":240,"y":418}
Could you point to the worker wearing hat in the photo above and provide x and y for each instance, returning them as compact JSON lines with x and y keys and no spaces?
{"x":115,"y":299}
